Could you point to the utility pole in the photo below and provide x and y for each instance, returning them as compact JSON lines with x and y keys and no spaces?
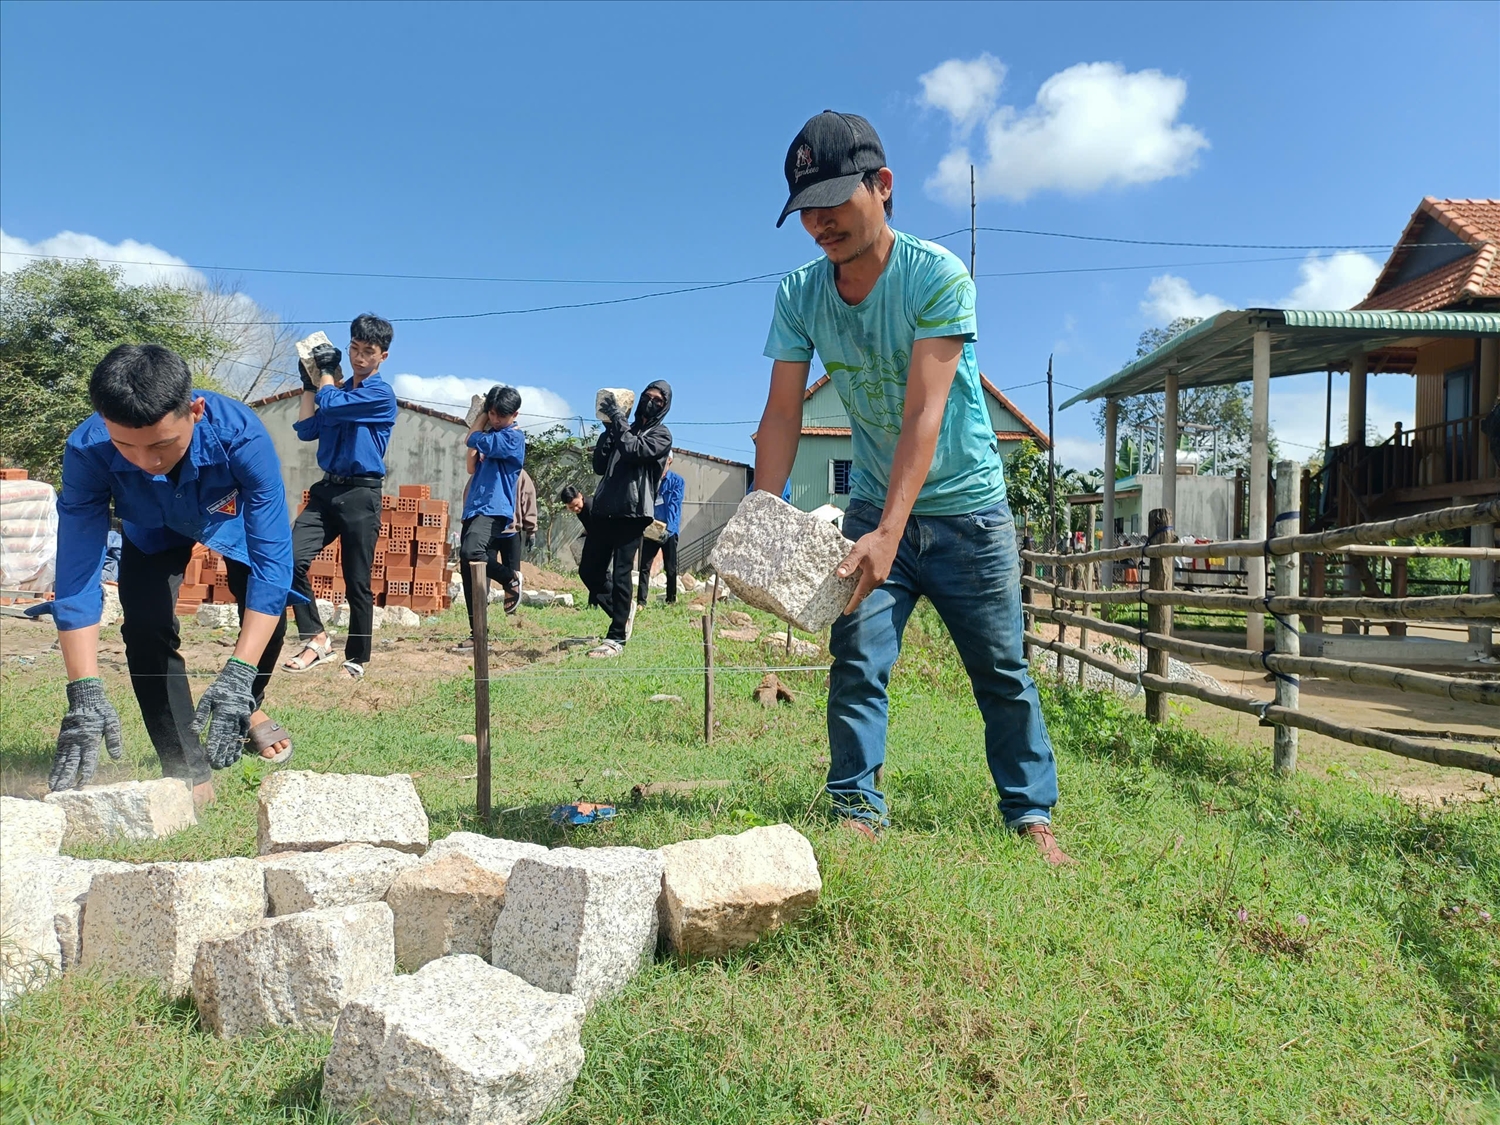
{"x":1051,"y":465}
{"x":973,"y":211}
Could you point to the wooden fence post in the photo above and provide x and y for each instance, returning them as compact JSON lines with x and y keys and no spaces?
{"x":1159,"y":617}
{"x":1028,"y":623}
{"x":1086,"y":581}
{"x":479,"y":585}
{"x":1288,"y":521}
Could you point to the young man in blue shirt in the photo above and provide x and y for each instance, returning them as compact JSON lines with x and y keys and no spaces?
{"x":669,"y":511}
{"x":892,"y":320}
{"x":497,"y":451}
{"x":180,"y":467}
{"x":352,"y":426}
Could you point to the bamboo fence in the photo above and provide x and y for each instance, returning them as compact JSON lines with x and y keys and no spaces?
{"x":1072,"y":588}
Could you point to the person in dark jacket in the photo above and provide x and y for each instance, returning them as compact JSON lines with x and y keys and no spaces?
{"x":630,"y":458}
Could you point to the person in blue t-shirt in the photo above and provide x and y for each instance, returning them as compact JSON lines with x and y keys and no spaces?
{"x":180,"y":467}
{"x":892,"y":320}
{"x":351,"y":422}
{"x":668,"y":511}
{"x":497,"y":452}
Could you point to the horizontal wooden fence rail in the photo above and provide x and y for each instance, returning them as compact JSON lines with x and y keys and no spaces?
{"x":1282,"y":716}
{"x":1463,"y":607}
{"x":1347,"y":671}
{"x":1371,"y":535}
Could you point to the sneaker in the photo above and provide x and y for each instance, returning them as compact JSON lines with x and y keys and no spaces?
{"x":1046,"y":842}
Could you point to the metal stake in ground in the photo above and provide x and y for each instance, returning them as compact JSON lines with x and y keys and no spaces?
{"x":479,"y":622}
{"x":1287,"y":521}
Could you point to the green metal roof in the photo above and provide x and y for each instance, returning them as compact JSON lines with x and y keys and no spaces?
{"x":1218,"y":350}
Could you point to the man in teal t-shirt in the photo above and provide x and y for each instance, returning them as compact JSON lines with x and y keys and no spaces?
{"x":892,"y":320}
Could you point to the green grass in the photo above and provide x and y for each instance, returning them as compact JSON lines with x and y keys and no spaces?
{"x":1231,"y":949}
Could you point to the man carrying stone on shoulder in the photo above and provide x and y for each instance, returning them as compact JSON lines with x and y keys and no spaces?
{"x":892,"y":320}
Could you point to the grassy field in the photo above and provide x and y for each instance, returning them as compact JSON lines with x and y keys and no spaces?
{"x":1230,"y":949}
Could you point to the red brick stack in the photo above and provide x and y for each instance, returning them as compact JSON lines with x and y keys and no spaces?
{"x":411,"y":565}
{"x":413,"y":555}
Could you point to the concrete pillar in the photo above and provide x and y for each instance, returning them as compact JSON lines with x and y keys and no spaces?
{"x":1359,"y":365}
{"x":1489,"y":393}
{"x":1111,"y":452}
{"x":1169,"y":445}
{"x":1288,"y":632}
{"x":1260,"y":411}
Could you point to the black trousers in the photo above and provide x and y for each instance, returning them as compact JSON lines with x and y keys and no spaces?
{"x":609,"y":553}
{"x":668,"y":549}
{"x":484,"y":540}
{"x":148,"y":596}
{"x":350,"y":512}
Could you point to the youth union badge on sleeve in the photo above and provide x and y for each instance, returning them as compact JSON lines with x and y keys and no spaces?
{"x":228,"y":506}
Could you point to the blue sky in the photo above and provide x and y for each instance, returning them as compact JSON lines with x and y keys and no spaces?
{"x":602,"y":145}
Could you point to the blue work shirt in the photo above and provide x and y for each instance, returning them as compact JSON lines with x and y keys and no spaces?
{"x":669,"y":501}
{"x":228,"y":496}
{"x":352,"y":427}
{"x":492,"y":489}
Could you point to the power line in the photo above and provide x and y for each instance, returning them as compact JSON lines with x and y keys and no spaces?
{"x":1166,"y":242}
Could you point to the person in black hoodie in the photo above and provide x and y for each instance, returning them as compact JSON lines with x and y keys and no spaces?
{"x":630,"y":458}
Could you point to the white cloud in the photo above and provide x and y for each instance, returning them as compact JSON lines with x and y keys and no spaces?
{"x":1169,"y":297}
{"x":140,"y":262}
{"x":1093,"y":126}
{"x":1079,"y":453}
{"x":966,"y":91}
{"x":540,"y":408}
{"x":1339,"y":281}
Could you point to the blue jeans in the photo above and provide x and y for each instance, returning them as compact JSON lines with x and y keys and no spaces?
{"x":967,"y":566}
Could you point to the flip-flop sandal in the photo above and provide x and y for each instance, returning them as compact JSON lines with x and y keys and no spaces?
{"x":353,"y":670}
{"x":322,"y":653}
{"x":264,"y":735}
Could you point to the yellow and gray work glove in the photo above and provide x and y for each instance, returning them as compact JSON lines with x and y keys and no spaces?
{"x":223,"y":720}
{"x":90,"y":719}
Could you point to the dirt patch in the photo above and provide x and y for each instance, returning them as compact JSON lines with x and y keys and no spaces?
{"x":539,"y":579}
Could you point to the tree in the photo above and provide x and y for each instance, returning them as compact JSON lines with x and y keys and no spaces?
{"x":248,"y":350}
{"x":1225,"y":409}
{"x":556,"y":457}
{"x":57,"y":321}
{"x":1026,"y":484}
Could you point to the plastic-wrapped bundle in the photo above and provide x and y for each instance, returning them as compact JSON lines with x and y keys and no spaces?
{"x":28,"y":535}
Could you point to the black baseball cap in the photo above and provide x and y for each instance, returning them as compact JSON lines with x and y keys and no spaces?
{"x":828,"y":159}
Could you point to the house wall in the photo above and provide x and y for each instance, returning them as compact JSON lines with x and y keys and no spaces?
{"x":711,"y":492}
{"x":423,"y":450}
{"x":1205,"y":505}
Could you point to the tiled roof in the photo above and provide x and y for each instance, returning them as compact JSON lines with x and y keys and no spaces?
{"x":401,"y":402}
{"x":1473,"y":276}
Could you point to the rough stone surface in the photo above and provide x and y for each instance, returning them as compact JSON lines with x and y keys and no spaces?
{"x":29,"y":953}
{"x":30,"y":828}
{"x":776,"y":642}
{"x":326,"y":610}
{"x":150,"y":920}
{"x":456,"y":1043}
{"x":544,"y":598}
{"x":341,"y":617}
{"x":661,"y":697}
{"x":401,"y":615}
{"x":130,"y":810}
{"x":727,"y":892}
{"x":296,"y":971}
{"x":449,"y":902}
{"x":341,"y":876}
{"x":782,"y":560}
{"x":300,"y":810}
{"x":111,"y":612}
{"x":70,"y":881}
{"x":624,"y":399}
{"x":215,"y":616}
{"x":580,"y":920}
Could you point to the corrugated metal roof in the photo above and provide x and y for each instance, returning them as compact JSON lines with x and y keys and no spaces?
{"x":1218,"y":351}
